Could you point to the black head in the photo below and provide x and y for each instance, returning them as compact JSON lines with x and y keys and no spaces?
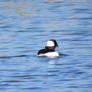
{"x":55,"y":43}
{"x":52,"y":43}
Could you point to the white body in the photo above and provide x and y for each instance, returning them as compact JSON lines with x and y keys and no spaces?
{"x":50,"y":54}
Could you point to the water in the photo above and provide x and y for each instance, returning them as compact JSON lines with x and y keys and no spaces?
{"x":25,"y":26}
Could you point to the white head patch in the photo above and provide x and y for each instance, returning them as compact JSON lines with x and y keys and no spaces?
{"x":50,"y":44}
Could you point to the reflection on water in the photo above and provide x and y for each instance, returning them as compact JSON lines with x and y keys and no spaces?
{"x":25,"y":26}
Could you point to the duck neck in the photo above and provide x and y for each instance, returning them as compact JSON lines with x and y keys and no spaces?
{"x":50,"y":48}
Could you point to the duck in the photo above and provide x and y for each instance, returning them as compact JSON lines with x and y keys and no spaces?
{"x":49,"y":49}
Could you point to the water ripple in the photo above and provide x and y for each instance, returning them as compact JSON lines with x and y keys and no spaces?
{"x":26,"y":26}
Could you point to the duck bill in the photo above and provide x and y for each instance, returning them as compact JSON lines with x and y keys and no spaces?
{"x":58,"y":47}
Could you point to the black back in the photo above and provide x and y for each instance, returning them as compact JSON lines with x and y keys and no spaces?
{"x":46,"y":50}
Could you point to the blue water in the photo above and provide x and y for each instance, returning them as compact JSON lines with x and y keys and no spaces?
{"x":26,"y":26}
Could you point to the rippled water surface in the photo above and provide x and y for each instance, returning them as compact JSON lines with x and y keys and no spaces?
{"x":25,"y":26}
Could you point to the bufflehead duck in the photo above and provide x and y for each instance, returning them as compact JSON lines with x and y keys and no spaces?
{"x":49,"y":50}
